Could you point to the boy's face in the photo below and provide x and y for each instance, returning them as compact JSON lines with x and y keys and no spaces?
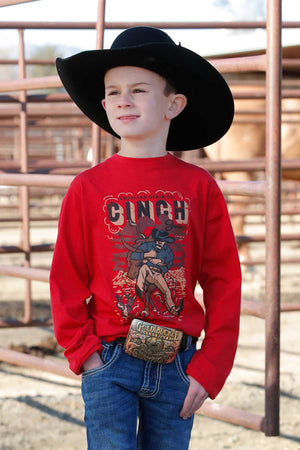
{"x":135,"y":103}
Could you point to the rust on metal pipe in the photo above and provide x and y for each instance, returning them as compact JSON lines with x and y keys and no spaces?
{"x":273,"y":195}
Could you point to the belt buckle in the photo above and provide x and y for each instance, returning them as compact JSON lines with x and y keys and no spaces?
{"x":151,"y":342}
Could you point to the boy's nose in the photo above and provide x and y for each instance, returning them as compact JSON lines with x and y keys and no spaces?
{"x":125,"y":100}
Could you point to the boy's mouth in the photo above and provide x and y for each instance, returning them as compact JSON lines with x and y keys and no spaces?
{"x":128,"y":117}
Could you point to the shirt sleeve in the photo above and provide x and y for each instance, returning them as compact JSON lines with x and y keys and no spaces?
{"x":69,"y":281}
{"x":220,"y":279}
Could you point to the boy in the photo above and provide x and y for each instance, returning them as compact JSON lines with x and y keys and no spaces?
{"x":136,"y":233}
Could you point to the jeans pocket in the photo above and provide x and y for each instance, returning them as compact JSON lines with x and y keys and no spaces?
{"x":109,"y":355}
{"x":180,"y":370}
{"x":182,"y":360}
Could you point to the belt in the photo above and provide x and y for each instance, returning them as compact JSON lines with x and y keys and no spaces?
{"x":185,"y":342}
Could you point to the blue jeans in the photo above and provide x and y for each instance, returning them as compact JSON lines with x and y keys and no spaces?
{"x":133,"y":404}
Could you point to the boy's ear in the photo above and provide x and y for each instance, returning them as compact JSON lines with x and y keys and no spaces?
{"x":103,"y":103}
{"x":177,"y":104}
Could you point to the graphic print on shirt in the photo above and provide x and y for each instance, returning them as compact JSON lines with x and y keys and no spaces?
{"x":147,"y":232}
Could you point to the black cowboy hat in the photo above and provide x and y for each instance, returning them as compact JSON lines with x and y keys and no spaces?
{"x":209,"y":111}
{"x":161,"y":235}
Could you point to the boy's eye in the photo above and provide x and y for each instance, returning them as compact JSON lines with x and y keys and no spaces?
{"x":138,"y":90}
{"x":112,"y":93}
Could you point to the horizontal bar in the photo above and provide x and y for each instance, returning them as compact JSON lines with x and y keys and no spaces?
{"x":255,"y":188}
{"x":254,"y":262}
{"x":251,"y":188}
{"x":250,"y":94}
{"x":41,"y":180}
{"x":240,"y":64}
{"x":261,"y":238}
{"x":51,"y":81}
{"x":21,"y":359}
{"x":15,"y":323}
{"x":245,"y":60}
{"x":121,"y":25}
{"x":47,"y":163}
{"x":35,"y":98}
{"x":253,"y":308}
{"x":292,"y":211}
{"x":14,"y":2}
{"x":257,"y":308}
{"x":232,"y":415}
{"x":31,"y":84}
{"x":290,"y":307}
{"x":28,"y":273}
{"x":248,"y":307}
{"x":257,"y":164}
{"x":245,"y":164}
{"x":45,"y":110}
{"x":243,"y":64}
{"x":33,"y":248}
{"x":28,"y":62}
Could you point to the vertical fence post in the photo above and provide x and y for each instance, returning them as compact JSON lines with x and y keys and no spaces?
{"x":96,"y":132}
{"x":24,"y":190}
{"x":273,"y":193}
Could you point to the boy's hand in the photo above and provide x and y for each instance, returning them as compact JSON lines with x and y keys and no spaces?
{"x":194,"y":399}
{"x":92,"y":362}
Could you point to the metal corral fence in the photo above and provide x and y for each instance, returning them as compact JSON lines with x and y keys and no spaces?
{"x":53,"y":111}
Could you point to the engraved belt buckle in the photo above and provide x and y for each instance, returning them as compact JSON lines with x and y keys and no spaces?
{"x":152,"y":342}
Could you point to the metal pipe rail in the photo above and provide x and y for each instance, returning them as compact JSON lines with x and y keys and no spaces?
{"x":27,"y":273}
{"x":20,"y":359}
{"x":41,"y":25}
{"x":251,"y":188}
{"x":253,"y":164}
{"x":14,"y":2}
{"x":223,"y":65}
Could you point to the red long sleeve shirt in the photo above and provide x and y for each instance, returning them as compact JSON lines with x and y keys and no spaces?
{"x":134,"y":237}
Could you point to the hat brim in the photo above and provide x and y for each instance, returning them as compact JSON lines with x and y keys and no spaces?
{"x":210,"y":108}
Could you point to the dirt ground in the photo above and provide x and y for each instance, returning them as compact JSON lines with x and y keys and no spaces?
{"x":39,"y":410}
